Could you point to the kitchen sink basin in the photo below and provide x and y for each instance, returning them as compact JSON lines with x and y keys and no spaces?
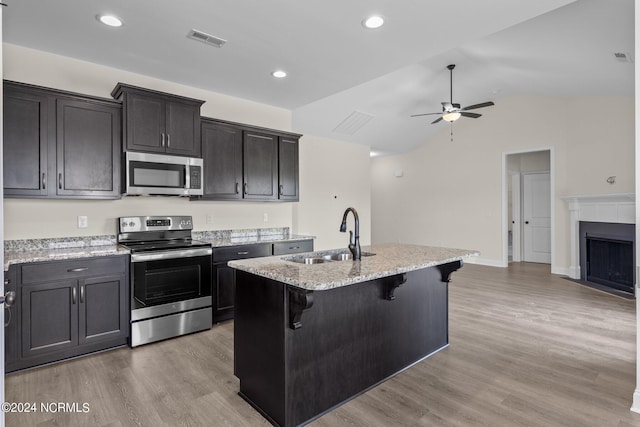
{"x":309,"y":260}
{"x":345,"y":256}
{"x":324,"y":257}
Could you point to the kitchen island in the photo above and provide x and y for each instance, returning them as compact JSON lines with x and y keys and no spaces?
{"x":309,"y":337}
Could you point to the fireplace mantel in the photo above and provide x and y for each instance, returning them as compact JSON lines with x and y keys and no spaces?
{"x":616,"y":208}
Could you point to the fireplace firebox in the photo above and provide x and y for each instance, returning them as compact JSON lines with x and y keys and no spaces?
{"x":607,"y":255}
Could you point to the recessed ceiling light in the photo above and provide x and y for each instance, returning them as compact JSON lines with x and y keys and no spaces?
{"x":279,"y":74}
{"x":110,"y":20}
{"x":373,"y":22}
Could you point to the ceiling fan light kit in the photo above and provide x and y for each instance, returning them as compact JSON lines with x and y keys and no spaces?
{"x":452,"y":111}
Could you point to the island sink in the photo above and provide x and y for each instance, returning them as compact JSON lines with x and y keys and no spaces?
{"x":324,"y":257}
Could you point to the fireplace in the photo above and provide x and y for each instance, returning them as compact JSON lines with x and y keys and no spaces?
{"x":607,"y":254}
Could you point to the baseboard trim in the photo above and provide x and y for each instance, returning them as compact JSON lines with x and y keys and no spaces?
{"x":635,"y":406}
{"x":485,"y":261}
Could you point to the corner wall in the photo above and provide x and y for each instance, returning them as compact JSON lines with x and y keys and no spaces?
{"x":450,"y":193}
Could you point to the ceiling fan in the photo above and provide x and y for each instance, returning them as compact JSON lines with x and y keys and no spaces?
{"x":452,"y":112}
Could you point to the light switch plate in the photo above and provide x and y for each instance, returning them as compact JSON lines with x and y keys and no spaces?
{"x":83,"y":221}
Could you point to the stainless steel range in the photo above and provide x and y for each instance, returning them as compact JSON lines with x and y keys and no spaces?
{"x":170,"y":277}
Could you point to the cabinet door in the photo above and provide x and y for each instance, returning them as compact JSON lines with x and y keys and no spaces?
{"x":25,"y":142}
{"x":88,"y":148}
{"x":102,"y":309}
{"x":49,"y":317}
{"x":225,"y":290}
{"x":145,"y":118}
{"x":288,"y":169}
{"x":183,"y":129}
{"x":260,"y":166}
{"x":222,"y":157}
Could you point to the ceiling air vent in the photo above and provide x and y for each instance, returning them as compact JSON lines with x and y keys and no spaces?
{"x":353,"y":123}
{"x":206,"y":38}
{"x":622,"y":56}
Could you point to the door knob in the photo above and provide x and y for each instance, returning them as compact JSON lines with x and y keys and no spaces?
{"x":526,"y":222}
{"x":9,"y":298}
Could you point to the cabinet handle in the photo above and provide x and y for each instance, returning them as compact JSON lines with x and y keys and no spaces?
{"x":60,"y":180}
{"x":237,"y":188}
{"x":294,"y":247}
{"x":168,"y":140}
{"x":82,"y":294}
{"x":77,"y":270}
{"x":73,"y":295}
{"x":162,"y":141}
{"x":243,"y":253}
{"x":44,"y":181}
{"x":281,"y":189}
{"x":245,"y":188}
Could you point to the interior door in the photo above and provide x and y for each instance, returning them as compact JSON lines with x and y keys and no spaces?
{"x":536,"y":213}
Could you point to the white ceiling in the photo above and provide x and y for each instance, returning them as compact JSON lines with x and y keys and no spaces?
{"x":501,"y":48}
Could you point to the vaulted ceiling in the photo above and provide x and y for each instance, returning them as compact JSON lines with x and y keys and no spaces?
{"x":337,"y":69}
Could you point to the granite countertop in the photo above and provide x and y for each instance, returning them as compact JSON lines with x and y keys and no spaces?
{"x":246,"y":239}
{"x":64,"y":248}
{"x":389,"y":259}
{"x":58,"y":254}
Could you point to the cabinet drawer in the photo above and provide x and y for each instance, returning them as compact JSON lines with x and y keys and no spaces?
{"x":55,"y":270}
{"x":282,"y":248}
{"x":229,"y":253}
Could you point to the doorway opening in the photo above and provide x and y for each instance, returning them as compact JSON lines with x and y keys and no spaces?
{"x":528,"y":206}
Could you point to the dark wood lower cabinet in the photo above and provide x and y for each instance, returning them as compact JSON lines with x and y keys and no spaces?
{"x":224,"y":277}
{"x":69,"y":308}
{"x":299,"y":354}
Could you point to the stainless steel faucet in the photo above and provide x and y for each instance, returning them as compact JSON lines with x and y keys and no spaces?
{"x":354,"y":238}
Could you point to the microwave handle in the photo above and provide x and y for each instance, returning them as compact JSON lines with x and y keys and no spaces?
{"x":187,"y":177}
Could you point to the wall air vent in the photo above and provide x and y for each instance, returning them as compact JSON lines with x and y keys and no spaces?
{"x":353,"y":123}
{"x":622,"y":57}
{"x":206,"y":38}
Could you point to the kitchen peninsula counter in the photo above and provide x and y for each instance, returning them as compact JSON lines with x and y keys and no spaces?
{"x":310,"y":337}
{"x":389,"y":259}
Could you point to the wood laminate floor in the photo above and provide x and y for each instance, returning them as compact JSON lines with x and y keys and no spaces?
{"x":526,"y":349}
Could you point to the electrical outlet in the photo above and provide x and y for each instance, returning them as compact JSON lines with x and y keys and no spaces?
{"x":83,"y":221}
{"x":209,"y":219}
{"x":265,"y":217}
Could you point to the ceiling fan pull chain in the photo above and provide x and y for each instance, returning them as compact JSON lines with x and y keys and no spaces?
{"x":451,"y":123}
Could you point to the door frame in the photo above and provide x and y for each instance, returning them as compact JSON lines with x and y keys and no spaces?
{"x":505,"y":202}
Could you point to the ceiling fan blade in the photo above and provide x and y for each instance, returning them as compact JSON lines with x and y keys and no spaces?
{"x":436,"y":120}
{"x":481,"y":105}
{"x":470,"y":115}
{"x":423,"y":114}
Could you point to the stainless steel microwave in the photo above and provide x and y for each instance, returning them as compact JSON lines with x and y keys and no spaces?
{"x":162,"y":175}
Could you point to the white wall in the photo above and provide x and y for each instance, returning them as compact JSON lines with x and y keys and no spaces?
{"x":450,"y":194}
{"x":333,"y":181}
{"x":30,"y":218}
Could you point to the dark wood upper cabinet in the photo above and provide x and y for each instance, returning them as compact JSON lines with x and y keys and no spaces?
{"x":248,"y":162}
{"x":25,"y":141}
{"x":222,"y":157}
{"x":60,"y":144}
{"x":288,"y":169}
{"x":260,"y":159}
{"x":88,"y":148}
{"x":159,"y":122}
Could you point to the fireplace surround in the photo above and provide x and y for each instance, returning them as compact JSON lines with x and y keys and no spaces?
{"x":612,"y":209}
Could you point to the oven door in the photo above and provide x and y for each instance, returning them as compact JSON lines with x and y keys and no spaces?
{"x":170,"y":281}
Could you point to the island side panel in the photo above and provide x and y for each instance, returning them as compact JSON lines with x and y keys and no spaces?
{"x":353,"y":338}
{"x":259,"y":344}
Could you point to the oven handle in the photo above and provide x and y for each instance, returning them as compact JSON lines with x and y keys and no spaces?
{"x":160,"y":255}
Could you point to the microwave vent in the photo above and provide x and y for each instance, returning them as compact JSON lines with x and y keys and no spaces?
{"x":206,"y":38}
